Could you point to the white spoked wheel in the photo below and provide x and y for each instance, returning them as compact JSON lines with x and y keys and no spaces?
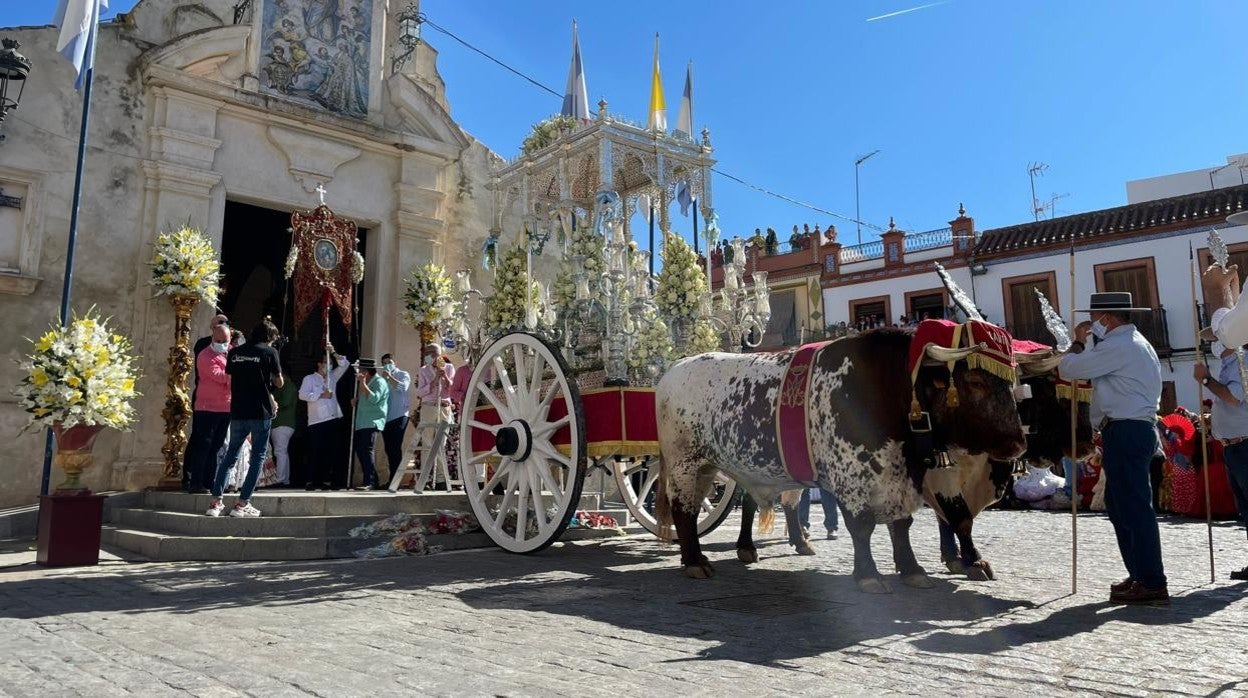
{"x":637,"y":478}
{"x":522,"y":487}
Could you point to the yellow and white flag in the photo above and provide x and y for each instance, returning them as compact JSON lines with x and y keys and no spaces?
{"x":658,"y":110}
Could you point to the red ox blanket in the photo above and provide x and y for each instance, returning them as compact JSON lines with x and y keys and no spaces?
{"x":997,"y":357}
{"x":792,"y":417}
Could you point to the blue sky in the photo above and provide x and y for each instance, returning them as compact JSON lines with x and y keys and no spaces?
{"x":959,"y":97}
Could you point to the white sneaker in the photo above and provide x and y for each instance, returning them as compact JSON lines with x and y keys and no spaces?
{"x":244,"y":511}
{"x":216,"y":508}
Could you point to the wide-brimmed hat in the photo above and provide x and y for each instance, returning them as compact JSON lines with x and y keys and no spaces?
{"x":1210,"y":333}
{"x":367,"y":363}
{"x":1115,"y":301}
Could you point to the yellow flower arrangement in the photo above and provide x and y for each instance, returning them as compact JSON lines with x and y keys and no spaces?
{"x":185,"y":264}
{"x":429,"y":294}
{"x":80,"y":374}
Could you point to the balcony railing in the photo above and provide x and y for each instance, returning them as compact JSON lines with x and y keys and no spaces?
{"x":929,"y":239}
{"x":862,"y":252}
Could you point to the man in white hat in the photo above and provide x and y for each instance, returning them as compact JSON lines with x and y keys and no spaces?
{"x":1126,"y":391}
{"x":1230,"y":416}
{"x":433,"y":389}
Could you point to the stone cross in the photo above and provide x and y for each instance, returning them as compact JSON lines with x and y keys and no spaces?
{"x":320,"y":191}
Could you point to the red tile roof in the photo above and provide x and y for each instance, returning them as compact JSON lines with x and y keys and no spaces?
{"x":1206,"y":207}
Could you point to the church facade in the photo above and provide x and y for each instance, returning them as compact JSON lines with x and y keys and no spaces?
{"x":227,"y":119}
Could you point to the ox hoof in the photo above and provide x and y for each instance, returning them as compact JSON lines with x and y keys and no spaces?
{"x":955,"y":566}
{"x":702,"y":571}
{"x":980,"y":572}
{"x":747,"y":555}
{"x":804,"y":548}
{"x":873,"y":585}
{"x":917,"y":581}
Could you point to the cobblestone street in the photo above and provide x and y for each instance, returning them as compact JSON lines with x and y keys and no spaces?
{"x":617,"y":617}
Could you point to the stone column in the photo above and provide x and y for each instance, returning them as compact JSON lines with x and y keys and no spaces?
{"x":420,"y":230}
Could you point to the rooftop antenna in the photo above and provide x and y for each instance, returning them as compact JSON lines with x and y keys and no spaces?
{"x":1051,"y":205}
{"x":1033,"y":170}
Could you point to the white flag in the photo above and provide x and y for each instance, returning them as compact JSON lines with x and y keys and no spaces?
{"x":684,"y":122}
{"x":79,"y":22}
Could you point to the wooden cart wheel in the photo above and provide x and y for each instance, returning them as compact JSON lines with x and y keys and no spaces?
{"x":522,"y":488}
{"x":636,"y":479}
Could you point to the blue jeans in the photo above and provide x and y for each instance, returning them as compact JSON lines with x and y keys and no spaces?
{"x":365,"y":445}
{"x":1128,"y":448}
{"x":240,"y":429}
{"x":828,"y":500}
{"x":1236,"y":458}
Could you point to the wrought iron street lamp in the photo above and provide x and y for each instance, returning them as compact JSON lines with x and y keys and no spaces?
{"x":410,"y":20}
{"x":14,"y":68}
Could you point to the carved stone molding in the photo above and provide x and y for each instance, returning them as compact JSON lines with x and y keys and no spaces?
{"x":312,"y":159}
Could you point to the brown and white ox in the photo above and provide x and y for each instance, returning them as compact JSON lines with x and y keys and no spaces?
{"x":958,"y":494}
{"x":717,"y":411}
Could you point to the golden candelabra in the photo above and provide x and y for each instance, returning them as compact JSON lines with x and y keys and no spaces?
{"x":177,"y":410}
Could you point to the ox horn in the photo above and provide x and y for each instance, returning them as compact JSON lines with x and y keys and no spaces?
{"x":1037,"y":363}
{"x":943,"y":355}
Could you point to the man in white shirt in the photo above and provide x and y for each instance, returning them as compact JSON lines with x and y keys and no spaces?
{"x":399,"y":382}
{"x":1223,"y":285}
{"x":324,"y":412}
{"x":1126,"y":391}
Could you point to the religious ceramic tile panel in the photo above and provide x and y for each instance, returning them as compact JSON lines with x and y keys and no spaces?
{"x":317,"y":52}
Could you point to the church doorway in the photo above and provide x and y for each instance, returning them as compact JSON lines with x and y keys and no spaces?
{"x":254,"y":245}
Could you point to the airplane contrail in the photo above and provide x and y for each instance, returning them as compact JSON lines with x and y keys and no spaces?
{"x":908,"y":11}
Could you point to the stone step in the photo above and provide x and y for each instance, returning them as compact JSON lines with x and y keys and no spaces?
{"x":298,"y":503}
{"x":165,"y":547}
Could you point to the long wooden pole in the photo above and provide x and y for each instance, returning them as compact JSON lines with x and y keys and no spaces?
{"x":1074,"y":446}
{"x":1200,"y":410}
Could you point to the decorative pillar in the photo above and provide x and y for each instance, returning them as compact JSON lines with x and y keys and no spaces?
{"x":963,"y":233}
{"x":894,"y":245}
{"x":177,"y":410}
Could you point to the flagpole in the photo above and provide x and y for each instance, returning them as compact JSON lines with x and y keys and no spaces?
{"x":695,"y":229}
{"x":68,"y":284}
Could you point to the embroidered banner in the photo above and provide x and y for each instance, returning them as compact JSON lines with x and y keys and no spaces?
{"x":792,"y":417}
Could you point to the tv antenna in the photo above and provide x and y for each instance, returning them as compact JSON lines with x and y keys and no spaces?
{"x":1051,"y":205}
{"x":1034,"y":170}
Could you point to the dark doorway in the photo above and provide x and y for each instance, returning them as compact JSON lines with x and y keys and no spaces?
{"x":254,"y":245}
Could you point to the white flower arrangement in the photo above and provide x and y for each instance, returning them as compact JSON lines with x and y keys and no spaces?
{"x":357,"y":267}
{"x":80,"y":374}
{"x":653,"y":342}
{"x":682,"y":285}
{"x":185,"y":264}
{"x":291,"y":258}
{"x":563,"y":289}
{"x":705,"y":338}
{"x":506,"y":307}
{"x":429,"y":293}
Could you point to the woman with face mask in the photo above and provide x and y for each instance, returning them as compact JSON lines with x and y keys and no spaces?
{"x":210,"y":420}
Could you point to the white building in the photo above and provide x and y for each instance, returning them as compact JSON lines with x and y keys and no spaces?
{"x":1141,"y":247}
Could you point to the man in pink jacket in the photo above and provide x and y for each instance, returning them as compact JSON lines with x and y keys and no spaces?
{"x":211,"y":416}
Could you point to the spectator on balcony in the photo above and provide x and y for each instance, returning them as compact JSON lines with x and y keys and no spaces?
{"x":771,"y":243}
{"x":728,"y":252}
{"x":717,"y":256}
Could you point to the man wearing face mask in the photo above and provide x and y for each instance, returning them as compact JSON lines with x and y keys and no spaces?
{"x":1126,"y":390}
{"x":317,"y":389}
{"x":1230,"y":416}
{"x":399,"y":382}
{"x":210,"y":418}
{"x":433,"y":389}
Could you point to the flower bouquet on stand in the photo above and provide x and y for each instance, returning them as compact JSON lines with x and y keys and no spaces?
{"x":79,"y":380}
{"x":428,"y":300}
{"x":186,"y":271}
{"x":682,"y":287}
{"x":506,"y":308}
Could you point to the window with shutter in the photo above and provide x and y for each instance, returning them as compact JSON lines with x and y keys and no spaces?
{"x":1139,"y":278}
{"x":1022,"y":309}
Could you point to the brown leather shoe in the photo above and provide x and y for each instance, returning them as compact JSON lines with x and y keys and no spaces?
{"x":1120,"y":587}
{"x":1140,"y":595}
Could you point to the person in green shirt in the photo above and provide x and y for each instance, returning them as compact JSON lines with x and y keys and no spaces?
{"x":370,"y":418}
{"x":287,"y":397}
